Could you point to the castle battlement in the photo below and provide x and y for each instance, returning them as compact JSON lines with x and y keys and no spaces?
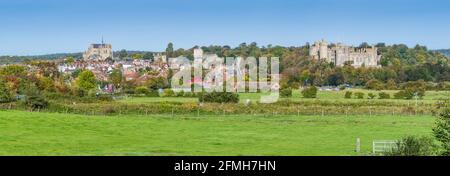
{"x":339,"y":54}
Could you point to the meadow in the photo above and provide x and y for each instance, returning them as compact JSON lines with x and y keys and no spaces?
{"x":323,"y":96}
{"x":33,"y":133}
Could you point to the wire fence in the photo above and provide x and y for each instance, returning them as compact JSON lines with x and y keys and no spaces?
{"x":199,"y":111}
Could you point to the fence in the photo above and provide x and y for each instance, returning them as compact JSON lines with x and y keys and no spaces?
{"x":383,"y":146}
{"x":195,"y":109}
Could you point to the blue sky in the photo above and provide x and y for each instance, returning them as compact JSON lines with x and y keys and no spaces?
{"x":30,"y":27}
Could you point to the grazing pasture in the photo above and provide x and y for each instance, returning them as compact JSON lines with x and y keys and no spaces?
{"x":26,"y":133}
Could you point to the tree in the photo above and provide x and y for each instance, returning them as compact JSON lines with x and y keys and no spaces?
{"x":305,"y":77}
{"x":148,"y":56}
{"x":69,"y":60}
{"x":123,"y":54}
{"x":34,"y":98}
{"x":86,"y":80}
{"x":442,"y":129}
{"x":46,"y":84}
{"x":5,"y":94}
{"x":169,"y":50}
{"x":156,"y":83}
{"x":116,"y":77}
{"x":364,"y":45}
{"x":137,"y":56}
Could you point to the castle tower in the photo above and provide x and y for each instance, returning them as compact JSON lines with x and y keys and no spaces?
{"x":323,"y":50}
{"x":198,"y":53}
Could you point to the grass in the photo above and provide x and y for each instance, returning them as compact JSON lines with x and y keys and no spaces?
{"x":430,"y":97}
{"x":25,"y":133}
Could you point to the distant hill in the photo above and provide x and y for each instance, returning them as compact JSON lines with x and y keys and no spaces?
{"x":445,"y":52}
{"x":49,"y":57}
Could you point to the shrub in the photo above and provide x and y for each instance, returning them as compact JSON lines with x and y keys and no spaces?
{"x":34,"y":99}
{"x":104,"y":97}
{"x":219,"y":97}
{"x":128,"y":91}
{"x":5,"y":95}
{"x":413,"y":146}
{"x":442,"y":129}
{"x":374,"y":84}
{"x":384,"y":95}
{"x":109,"y":110}
{"x":359,"y":95}
{"x":141,"y":90}
{"x":180,"y":93}
{"x":399,"y":95}
{"x":348,"y":94}
{"x":391,"y":85}
{"x":286,"y":92}
{"x":415,"y":87}
{"x":310,"y":92}
{"x":153,"y":93}
{"x":371,"y":96}
{"x":189,"y":94}
{"x":168,"y":93}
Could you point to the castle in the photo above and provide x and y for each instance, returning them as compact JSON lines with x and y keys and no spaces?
{"x":340,"y":54}
{"x":99,"y":52}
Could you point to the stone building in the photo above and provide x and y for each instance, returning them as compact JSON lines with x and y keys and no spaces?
{"x":99,"y":52}
{"x":339,"y":54}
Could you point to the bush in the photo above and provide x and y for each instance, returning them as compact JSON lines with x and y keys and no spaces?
{"x":189,"y":94}
{"x":141,"y":90}
{"x":413,"y":146}
{"x":359,"y":95}
{"x":105,"y":97}
{"x":391,"y":85}
{"x":374,"y":84}
{"x":371,"y":96}
{"x":109,"y":110}
{"x":34,"y":99}
{"x":348,"y":94}
{"x":442,"y":129}
{"x":286,"y":92}
{"x":5,"y":94}
{"x":153,"y":93}
{"x":310,"y":92}
{"x":415,"y":88}
{"x":180,"y":94}
{"x":128,"y":91}
{"x":168,"y":93}
{"x":219,"y":97}
{"x":384,"y":95}
{"x":404,"y":94}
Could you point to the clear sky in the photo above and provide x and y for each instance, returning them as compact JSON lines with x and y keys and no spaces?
{"x":30,"y":27}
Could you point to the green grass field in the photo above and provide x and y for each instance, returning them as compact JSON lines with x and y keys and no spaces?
{"x":25,"y":133}
{"x":430,"y":97}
